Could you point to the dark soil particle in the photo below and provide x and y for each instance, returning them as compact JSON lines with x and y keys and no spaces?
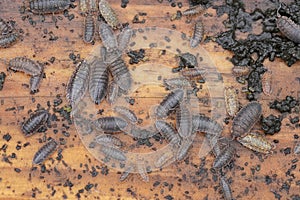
{"x":284,"y":105}
{"x":124,"y":3}
{"x":271,"y":124}
{"x":136,"y":56}
{"x":287,"y":151}
{"x":7,"y":137}
{"x":2,"y":79}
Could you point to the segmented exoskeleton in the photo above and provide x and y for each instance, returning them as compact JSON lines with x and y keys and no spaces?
{"x":34,"y":122}
{"x":178,"y":82}
{"x":78,"y":83}
{"x":45,"y":151}
{"x":240,"y":70}
{"x":89,"y":28}
{"x":266,"y":82}
{"x":184,"y":148}
{"x":256,"y":142}
{"x":110,"y":124}
{"x":124,"y":38}
{"x":168,"y":132}
{"x":48,"y":6}
{"x":98,"y":81}
{"x":194,"y":10}
{"x":169,"y":103}
{"x":289,"y":28}
{"x":127,"y":113}
{"x":225,"y":156}
{"x":109,"y":140}
{"x":35,"y":82}
{"x":193,"y":72}
{"x":204,"y":124}
{"x":184,"y":120}
{"x":107,"y":36}
{"x":231,"y":101}
{"x":112,"y":92}
{"x":4,"y":27}
{"x":245,"y":119}
{"x":114,"y":153}
{"x":197,"y":34}
{"x":225,"y":188}
{"x":25,"y":65}
{"x":108,"y":14}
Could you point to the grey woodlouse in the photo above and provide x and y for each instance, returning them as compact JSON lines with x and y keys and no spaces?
{"x":289,"y":28}
{"x":168,"y":132}
{"x":225,"y":156}
{"x":256,"y":142}
{"x":142,"y":133}
{"x":108,"y":14}
{"x":89,"y":28}
{"x":245,"y":119}
{"x":124,"y":38}
{"x":197,"y":34}
{"x":231,"y":101}
{"x":4,"y":27}
{"x":8,"y":40}
{"x":226,"y":188}
{"x":184,"y":149}
{"x":127,"y":113}
{"x":34,"y":122}
{"x":110,"y":124}
{"x":204,"y":124}
{"x":108,"y":37}
{"x":25,"y":65}
{"x":194,"y":10}
{"x":114,"y":153}
{"x":109,"y":140}
{"x":98,"y":81}
{"x":266,"y":82}
{"x":193,"y":72}
{"x":112,"y":93}
{"x":78,"y":83}
{"x":35,"y":82}
{"x":45,"y":151}
{"x":169,"y":102}
{"x":48,"y":6}
{"x":126,"y":173}
{"x":83,"y":6}
{"x":184,"y":121}
{"x":240,"y":71}
{"x":178,"y":82}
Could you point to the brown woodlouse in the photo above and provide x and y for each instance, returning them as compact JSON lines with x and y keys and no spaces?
{"x":127,"y":113}
{"x":169,"y":103}
{"x":197,"y":34}
{"x":8,"y":40}
{"x":98,"y":81}
{"x":45,"y":151}
{"x":256,"y":142}
{"x":25,"y":65}
{"x":89,"y":28}
{"x":225,"y":188}
{"x":110,"y":124}
{"x":124,"y":38}
{"x":114,"y":153}
{"x":193,"y":72}
{"x":48,"y":6}
{"x":112,"y":93}
{"x":289,"y":28}
{"x":126,"y":173}
{"x":240,"y":71}
{"x":109,"y":140}
{"x":108,"y":14}
{"x":245,"y":119}
{"x":35,"y":82}
{"x":266,"y":82}
{"x":178,"y":82}
{"x":204,"y":124}
{"x":231,"y":101}
{"x":168,"y":132}
{"x":34,"y":122}
{"x":184,"y":120}
{"x":225,"y":156}
{"x":78,"y":83}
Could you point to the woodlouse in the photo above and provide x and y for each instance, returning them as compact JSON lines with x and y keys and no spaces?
{"x":107,"y":36}
{"x":297,"y":148}
{"x":194,"y":10}
{"x":89,"y":28}
{"x":124,"y":39}
{"x":110,"y":124}
{"x":225,"y":156}
{"x":34,"y":122}
{"x":114,"y":153}
{"x":245,"y":119}
{"x":45,"y":151}
{"x":225,"y":188}
{"x":35,"y":82}
{"x":178,"y":82}
{"x":8,"y":40}
{"x":48,"y":6}
{"x":98,"y":81}
{"x":240,"y":71}
{"x":197,"y":34}
{"x":4,"y":27}
{"x":193,"y":72}
{"x":108,"y":14}
{"x":184,"y":120}
{"x":184,"y":149}
{"x":127,"y":113}
{"x":168,"y":132}
{"x":25,"y":65}
{"x":169,"y":103}
{"x":204,"y":124}
{"x":78,"y":83}
{"x":83,"y":6}
{"x":266,"y":82}
{"x":256,"y":142}
{"x":109,"y":140}
{"x":231,"y":101}
{"x":289,"y":28}
{"x":112,"y":93}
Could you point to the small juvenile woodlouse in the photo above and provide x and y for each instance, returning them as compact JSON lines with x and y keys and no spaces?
{"x":45,"y":151}
{"x":178,"y":82}
{"x":266,"y":82}
{"x":35,"y":82}
{"x":89,"y":28}
{"x":245,"y":119}
{"x":240,"y":71}
{"x":231,"y":101}
{"x":34,"y":122}
{"x":112,"y":93}
{"x":124,"y":38}
{"x":108,"y":14}
{"x":126,"y":173}
{"x":256,"y":142}
{"x":225,"y":188}
{"x":98,"y":81}
{"x":109,"y":140}
{"x":8,"y":40}
{"x":78,"y":83}
{"x":168,"y":132}
{"x":110,"y":124}
{"x":204,"y":124}
{"x":197,"y":34}
{"x":25,"y":65}
{"x":225,"y":156}
{"x":193,"y":72}
{"x":107,"y":36}
{"x":48,"y":6}
{"x":169,"y":103}
{"x":194,"y":10}
{"x":184,"y":120}
{"x":127,"y":113}
{"x":289,"y":28}
{"x":114,"y":153}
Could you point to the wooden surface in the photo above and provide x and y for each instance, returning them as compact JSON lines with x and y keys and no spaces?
{"x":181,"y":180}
